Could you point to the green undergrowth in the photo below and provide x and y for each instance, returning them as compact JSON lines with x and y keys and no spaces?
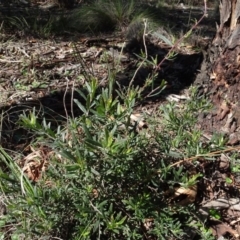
{"x":107,"y":15}
{"x":92,"y":17}
{"x":43,"y":25}
{"x":105,"y":177}
{"x":89,"y":17}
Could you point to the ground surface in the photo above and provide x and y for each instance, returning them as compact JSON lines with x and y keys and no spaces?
{"x":33,"y":69}
{"x":43,"y":74}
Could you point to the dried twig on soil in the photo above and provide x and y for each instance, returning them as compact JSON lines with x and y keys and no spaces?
{"x":205,"y":155}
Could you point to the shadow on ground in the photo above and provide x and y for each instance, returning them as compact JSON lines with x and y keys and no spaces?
{"x":178,"y":73}
{"x":32,"y":19}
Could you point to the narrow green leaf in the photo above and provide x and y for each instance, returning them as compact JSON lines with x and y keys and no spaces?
{"x":80,"y":106}
{"x":122,"y":220}
{"x":67,"y":155}
{"x":93,"y":143}
{"x":158,"y":35}
{"x":95,"y":172}
{"x":73,"y":167}
{"x":81,"y":94}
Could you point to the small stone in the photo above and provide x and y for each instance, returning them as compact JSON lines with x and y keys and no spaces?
{"x":224,"y":163}
{"x":233,"y":139}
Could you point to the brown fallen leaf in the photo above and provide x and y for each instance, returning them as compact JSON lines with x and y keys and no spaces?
{"x":135,"y":119}
{"x":219,"y":229}
{"x":148,"y":223}
{"x":95,"y":193}
{"x":234,"y":139}
{"x":224,"y":162}
{"x":225,"y":109}
{"x":191,"y":193}
{"x":182,"y":196}
{"x":238,"y":229}
{"x":138,"y":118}
{"x":234,"y":214}
{"x":34,"y":164}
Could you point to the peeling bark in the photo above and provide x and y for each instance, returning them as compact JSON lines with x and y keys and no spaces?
{"x":220,"y":74}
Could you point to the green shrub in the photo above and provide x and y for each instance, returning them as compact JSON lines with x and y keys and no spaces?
{"x":105,"y":179}
{"x":109,"y":15}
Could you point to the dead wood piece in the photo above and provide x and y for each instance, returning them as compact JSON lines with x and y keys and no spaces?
{"x":220,"y":229}
{"x":222,"y":203}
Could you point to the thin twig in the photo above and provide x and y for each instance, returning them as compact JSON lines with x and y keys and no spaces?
{"x":95,"y":209}
{"x":175,"y":45}
{"x":64,"y":101}
{"x":9,"y":61}
{"x":180,"y":39}
{"x":72,"y":95}
{"x":22,"y":50}
{"x":205,"y":155}
{"x":146,"y":53}
{"x":84,"y":66}
{"x":21,"y":183}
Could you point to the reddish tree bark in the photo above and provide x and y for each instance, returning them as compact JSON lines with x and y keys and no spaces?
{"x":220,"y":74}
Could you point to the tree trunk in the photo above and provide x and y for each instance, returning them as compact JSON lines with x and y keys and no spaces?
{"x":220,"y":74}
